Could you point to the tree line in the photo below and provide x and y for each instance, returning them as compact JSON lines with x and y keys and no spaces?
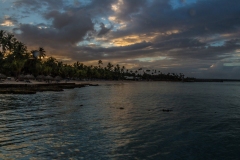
{"x":15,"y":59}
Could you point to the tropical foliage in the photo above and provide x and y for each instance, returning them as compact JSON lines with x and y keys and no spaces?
{"x":15,"y":60}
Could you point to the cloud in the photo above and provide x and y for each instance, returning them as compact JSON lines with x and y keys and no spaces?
{"x":8,"y":21}
{"x":36,"y":4}
{"x":124,"y":9}
{"x":71,"y":26}
{"x":67,"y":27}
{"x":104,"y":30}
{"x":183,"y":36}
{"x":99,"y":8}
{"x":203,"y":18}
{"x":87,"y":53}
{"x":193,"y":49}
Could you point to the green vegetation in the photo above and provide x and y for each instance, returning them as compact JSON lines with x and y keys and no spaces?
{"x":15,"y":60}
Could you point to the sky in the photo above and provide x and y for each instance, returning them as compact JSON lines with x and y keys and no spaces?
{"x":200,"y":38}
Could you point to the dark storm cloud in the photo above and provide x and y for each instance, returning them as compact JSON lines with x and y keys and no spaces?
{"x":128,"y":8}
{"x":67,"y":27}
{"x":130,"y":48}
{"x":152,"y":17}
{"x":88,"y":53}
{"x":99,"y":7}
{"x":202,"y":18}
{"x":32,"y":35}
{"x":113,"y":53}
{"x":207,"y":18}
{"x":185,"y":34}
{"x":181,"y":50}
{"x":70,"y":20}
{"x":103,"y":29}
{"x":101,"y":4}
{"x":179,"y":43}
{"x":193,"y":49}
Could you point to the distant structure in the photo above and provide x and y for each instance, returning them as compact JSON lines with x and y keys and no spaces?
{"x":35,"y":53}
{"x":129,"y":77}
{"x":132,"y":78}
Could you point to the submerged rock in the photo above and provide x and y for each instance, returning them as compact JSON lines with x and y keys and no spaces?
{"x":167,"y":110}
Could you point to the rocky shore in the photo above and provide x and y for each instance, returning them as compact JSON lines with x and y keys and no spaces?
{"x":34,"y":88}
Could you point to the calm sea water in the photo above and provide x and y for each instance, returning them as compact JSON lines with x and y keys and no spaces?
{"x":124,"y":121}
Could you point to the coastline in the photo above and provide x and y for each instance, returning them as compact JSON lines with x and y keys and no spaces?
{"x":34,"y":86}
{"x":23,"y":87}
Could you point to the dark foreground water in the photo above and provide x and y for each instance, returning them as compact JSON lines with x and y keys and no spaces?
{"x":87,"y":123}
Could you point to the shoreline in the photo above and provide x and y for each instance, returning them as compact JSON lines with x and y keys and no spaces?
{"x":34,"y":86}
{"x":13,"y":87}
{"x":22,"y":87}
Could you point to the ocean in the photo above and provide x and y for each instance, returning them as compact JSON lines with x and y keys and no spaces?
{"x":124,"y":120}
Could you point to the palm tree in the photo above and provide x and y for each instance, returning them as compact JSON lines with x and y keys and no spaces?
{"x":19,"y":49}
{"x":109,"y":66}
{"x":127,"y":71}
{"x":100,"y":63}
{"x":122,"y":71}
{"x":136,"y":72}
{"x":41,"y":52}
{"x":18,"y":65}
{"x":15,"y":59}
{"x":2,"y":36}
{"x":3,"y":41}
{"x":8,"y":42}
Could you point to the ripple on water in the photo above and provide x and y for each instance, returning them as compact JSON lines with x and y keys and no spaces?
{"x":123,"y":121}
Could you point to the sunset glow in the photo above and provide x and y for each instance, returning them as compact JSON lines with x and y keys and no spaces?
{"x":195,"y":34}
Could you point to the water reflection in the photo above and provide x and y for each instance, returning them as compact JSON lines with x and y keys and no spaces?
{"x":88,"y":123}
